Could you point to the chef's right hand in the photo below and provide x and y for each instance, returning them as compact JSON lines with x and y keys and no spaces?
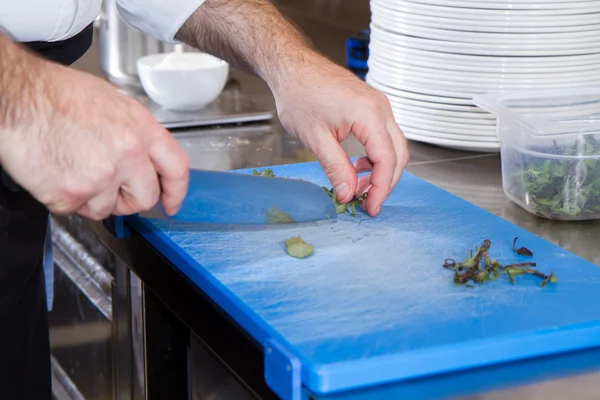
{"x":79,"y":146}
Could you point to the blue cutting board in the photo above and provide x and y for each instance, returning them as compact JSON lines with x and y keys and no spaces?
{"x":373,"y":304}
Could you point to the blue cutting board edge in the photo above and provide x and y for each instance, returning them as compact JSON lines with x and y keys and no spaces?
{"x":332,"y":377}
{"x":394,"y":368}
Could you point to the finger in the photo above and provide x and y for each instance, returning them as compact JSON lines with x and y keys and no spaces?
{"x":400,"y":146}
{"x":335,"y":164}
{"x":100,"y":206}
{"x":364,"y":184}
{"x":371,"y":132}
{"x":139,"y":190}
{"x":66,"y":206}
{"x":363,"y":164}
{"x":172,"y":165}
{"x":89,"y":196}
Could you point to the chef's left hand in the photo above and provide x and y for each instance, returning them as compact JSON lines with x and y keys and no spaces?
{"x":321,"y":105}
{"x":318,"y":101}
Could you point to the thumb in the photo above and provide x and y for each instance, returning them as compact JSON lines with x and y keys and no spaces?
{"x":336,"y":165}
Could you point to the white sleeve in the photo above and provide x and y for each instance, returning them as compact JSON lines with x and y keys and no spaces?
{"x":160,"y":19}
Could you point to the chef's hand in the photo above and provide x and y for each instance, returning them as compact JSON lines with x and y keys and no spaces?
{"x":79,"y":146}
{"x":317,"y":101}
{"x":322,"y":104}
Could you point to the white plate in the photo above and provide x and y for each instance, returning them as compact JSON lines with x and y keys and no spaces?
{"x":408,"y":124}
{"x":397,"y":25}
{"x":421,"y":135}
{"x":470,"y":118}
{"x":537,"y":25}
{"x":443,"y":132}
{"x":475,"y":26}
{"x":484,"y":60}
{"x":476,"y":79}
{"x":476,"y":49}
{"x":379,"y":33}
{"x":476,"y":115}
{"x":441,"y":96}
{"x":574,"y":14}
{"x":511,"y":5}
{"x":474,"y":148}
{"x":382,"y":53}
{"x":457,"y":125}
{"x":400,"y":68}
{"x":465,"y":89}
{"x":450,"y":11}
{"x":490,"y":13}
{"x":446,"y":129}
{"x":432,"y":99}
{"x":510,"y":39}
{"x":470,"y":111}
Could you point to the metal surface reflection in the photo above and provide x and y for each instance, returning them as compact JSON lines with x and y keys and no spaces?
{"x":231,"y":147}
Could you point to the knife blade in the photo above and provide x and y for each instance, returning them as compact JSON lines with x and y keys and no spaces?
{"x":219,"y":197}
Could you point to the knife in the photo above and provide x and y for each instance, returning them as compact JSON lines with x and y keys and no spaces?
{"x":218,"y":197}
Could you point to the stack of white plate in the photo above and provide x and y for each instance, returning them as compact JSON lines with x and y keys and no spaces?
{"x":430,"y":57}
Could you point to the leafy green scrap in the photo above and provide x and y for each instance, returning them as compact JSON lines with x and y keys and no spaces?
{"x":349,"y":207}
{"x":276,"y":216}
{"x":268,"y":172}
{"x":296,"y":247}
{"x":471,"y":271}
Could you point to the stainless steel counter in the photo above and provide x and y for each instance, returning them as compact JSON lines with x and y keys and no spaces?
{"x":474,"y":177}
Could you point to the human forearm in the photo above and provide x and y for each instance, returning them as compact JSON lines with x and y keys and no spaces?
{"x":18,"y":84}
{"x":251,"y":35}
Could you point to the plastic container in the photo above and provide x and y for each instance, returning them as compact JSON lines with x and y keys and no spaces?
{"x":550,"y":150}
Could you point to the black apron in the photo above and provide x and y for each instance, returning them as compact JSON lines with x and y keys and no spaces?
{"x":24,"y":345}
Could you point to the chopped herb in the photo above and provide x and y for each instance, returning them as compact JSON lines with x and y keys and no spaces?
{"x":298,"y":248}
{"x":350,"y":207}
{"x":564,"y":184}
{"x":471,"y":269}
{"x":524,"y":251}
{"x":276,"y":216}
{"x":339,"y":207}
{"x":265,"y":172}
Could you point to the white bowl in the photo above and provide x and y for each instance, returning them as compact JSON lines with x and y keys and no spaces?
{"x":182,"y":81}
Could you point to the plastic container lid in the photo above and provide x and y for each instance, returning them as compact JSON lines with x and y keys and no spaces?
{"x":547,"y":113}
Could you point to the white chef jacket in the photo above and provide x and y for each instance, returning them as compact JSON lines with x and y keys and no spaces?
{"x":55,"y":20}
